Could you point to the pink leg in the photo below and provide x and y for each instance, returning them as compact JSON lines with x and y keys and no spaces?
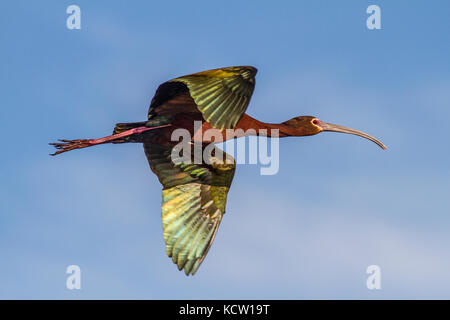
{"x":67,"y":145}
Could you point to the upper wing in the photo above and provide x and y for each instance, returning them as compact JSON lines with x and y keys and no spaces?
{"x":194,"y":198}
{"x":221,"y":95}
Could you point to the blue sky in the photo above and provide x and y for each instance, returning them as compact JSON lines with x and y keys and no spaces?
{"x":338,"y":203}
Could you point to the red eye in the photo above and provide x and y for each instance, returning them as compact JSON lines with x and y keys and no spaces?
{"x":316,"y":122}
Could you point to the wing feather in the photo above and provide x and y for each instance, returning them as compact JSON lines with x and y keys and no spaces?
{"x":211,"y":91}
{"x":194,"y":199}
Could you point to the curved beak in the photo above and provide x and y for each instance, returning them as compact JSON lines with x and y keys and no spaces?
{"x":336,"y":128}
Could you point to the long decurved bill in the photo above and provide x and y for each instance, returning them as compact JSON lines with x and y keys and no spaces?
{"x":336,"y":128}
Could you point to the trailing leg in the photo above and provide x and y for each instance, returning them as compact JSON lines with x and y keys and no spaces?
{"x":67,"y":145}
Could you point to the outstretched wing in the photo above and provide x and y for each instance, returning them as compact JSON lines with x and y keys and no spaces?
{"x":193,"y":202}
{"x":221,"y":95}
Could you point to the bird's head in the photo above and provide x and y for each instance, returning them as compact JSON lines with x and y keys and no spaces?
{"x":307,"y":125}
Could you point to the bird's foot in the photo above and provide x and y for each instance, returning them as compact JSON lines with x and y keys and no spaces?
{"x":67,"y":145}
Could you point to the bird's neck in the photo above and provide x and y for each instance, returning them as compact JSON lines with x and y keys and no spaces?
{"x":249,"y":124}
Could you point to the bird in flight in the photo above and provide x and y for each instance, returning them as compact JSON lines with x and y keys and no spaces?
{"x":194,"y":194}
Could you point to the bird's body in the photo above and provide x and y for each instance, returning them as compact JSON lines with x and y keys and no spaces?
{"x":194,"y":193}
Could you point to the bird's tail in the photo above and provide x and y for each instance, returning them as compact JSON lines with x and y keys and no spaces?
{"x":121,"y":127}
{"x":159,"y":121}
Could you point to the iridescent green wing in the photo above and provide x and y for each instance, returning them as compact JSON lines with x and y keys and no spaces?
{"x":193,"y":202}
{"x":221,"y":95}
